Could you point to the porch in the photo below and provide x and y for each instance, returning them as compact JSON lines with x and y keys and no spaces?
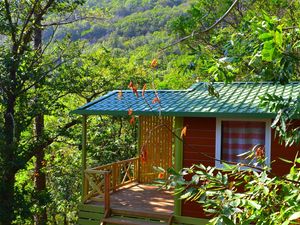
{"x":125,"y":192}
{"x":120,"y":199}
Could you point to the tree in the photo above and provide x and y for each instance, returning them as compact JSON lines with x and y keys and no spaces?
{"x":243,"y":40}
{"x":24,"y":70}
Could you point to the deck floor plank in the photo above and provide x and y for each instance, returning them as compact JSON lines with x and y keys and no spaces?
{"x":142,"y":197}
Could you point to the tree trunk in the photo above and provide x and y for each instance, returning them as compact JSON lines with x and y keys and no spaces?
{"x":8,"y":150}
{"x":7,"y":197}
{"x":40,"y":177}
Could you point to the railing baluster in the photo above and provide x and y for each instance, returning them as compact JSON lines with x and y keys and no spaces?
{"x":107,"y":192}
{"x":121,"y":174}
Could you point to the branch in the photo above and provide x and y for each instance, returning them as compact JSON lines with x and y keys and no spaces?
{"x":12,"y":27}
{"x":47,"y":142}
{"x":203,"y":31}
{"x":27,"y":21}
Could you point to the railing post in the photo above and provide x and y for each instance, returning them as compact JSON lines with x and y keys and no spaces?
{"x":139,"y":145}
{"x":107,"y":193}
{"x":178,"y":160}
{"x":114,"y":176}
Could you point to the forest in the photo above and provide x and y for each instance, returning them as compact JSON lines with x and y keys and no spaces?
{"x":57,"y":55}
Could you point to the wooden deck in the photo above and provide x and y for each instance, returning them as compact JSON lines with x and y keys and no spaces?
{"x":141,"y":197}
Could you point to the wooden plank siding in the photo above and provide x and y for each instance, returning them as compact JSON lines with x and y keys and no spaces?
{"x":279,"y":150}
{"x":200,"y":137}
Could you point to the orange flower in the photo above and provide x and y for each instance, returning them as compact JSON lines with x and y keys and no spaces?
{"x":132,"y":120}
{"x":130,"y":112}
{"x":260,"y":152}
{"x":183,"y":132}
{"x":144,"y":89}
{"x":134,"y":90}
{"x":160,"y":176}
{"x":156,"y":99}
{"x":130,"y":85}
{"x":154,"y":63}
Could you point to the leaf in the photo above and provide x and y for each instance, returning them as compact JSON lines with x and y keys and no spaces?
{"x":144,"y":89}
{"x":265,"y":36}
{"x":268,"y":51}
{"x":254,"y":204}
{"x":183,"y":132}
{"x":285,"y":160}
{"x":186,"y":195}
{"x":294,"y":216}
{"x":227,"y":220}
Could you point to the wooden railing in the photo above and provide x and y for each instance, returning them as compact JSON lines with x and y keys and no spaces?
{"x":109,"y":177}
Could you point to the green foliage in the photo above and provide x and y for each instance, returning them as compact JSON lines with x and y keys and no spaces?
{"x":287,"y":110}
{"x":235,"y":195}
{"x":256,"y":41}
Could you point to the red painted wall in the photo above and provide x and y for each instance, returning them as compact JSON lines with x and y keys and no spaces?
{"x":200,"y":139}
{"x":199,"y":147}
{"x":278,"y":151}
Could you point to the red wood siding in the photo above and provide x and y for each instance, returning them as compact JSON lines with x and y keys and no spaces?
{"x":200,"y":138}
{"x":278,"y":150}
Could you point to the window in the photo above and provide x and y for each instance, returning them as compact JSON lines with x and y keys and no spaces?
{"x":234,"y":137}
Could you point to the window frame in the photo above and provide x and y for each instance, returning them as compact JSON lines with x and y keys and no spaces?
{"x":218,"y":163}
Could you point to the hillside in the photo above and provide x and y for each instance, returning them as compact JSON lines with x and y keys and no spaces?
{"x":136,"y":30}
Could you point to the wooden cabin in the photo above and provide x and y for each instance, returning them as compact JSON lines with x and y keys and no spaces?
{"x":221,"y":128}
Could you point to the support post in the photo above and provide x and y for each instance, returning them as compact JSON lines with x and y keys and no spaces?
{"x":178,"y":160}
{"x":83,"y":158}
{"x":106,"y":193}
{"x":114,"y":177}
{"x":139,"y":145}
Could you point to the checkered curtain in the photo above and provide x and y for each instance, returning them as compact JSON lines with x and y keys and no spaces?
{"x":239,"y":137}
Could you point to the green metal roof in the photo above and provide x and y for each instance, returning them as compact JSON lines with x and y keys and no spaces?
{"x":240,"y":99}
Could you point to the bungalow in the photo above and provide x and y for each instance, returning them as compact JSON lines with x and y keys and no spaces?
{"x":217,"y":129}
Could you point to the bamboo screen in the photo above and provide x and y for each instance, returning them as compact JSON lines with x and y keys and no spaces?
{"x":156,"y":150}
